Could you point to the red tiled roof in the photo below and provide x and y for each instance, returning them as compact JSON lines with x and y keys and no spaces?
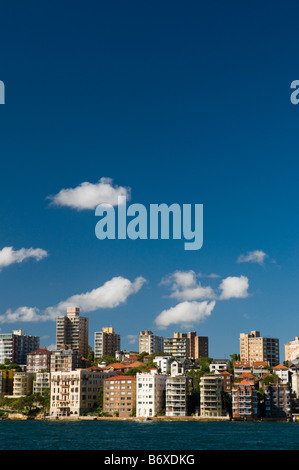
{"x":280,"y":366}
{"x":260,"y":364}
{"x":246,"y":374}
{"x":121,"y":377}
{"x":116,"y":365}
{"x":242,"y":364}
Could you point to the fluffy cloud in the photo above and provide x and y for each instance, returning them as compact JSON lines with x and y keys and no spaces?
{"x":257,"y":256}
{"x":88,"y":195}
{"x":234,"y":287}
{"x":185,"y":314}
{"x":109,"y":295}
{"x":185,"y":286}
{"x":10,"y":256}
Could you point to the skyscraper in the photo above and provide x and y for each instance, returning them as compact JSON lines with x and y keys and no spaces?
{"x":72,"y":332}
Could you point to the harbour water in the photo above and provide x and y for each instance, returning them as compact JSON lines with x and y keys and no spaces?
{"x":148,"y":435}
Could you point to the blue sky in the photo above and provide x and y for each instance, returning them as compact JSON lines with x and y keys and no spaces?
{"x":186,"y":104}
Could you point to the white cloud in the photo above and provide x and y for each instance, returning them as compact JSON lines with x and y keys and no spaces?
{"x":257,"y":256}
{"x":109,"y":295}
{"x":132,"y":339}
{"x":88,"y":195}
{"x":185,"y":286}
{"x":10,"y":256}
{"x":234,"y":287}
{"x":185,"y":314}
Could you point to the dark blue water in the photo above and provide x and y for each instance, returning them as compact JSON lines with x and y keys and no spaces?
{"x":125,"y":435}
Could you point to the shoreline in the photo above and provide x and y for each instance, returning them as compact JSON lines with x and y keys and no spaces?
{"x":225,"y":419}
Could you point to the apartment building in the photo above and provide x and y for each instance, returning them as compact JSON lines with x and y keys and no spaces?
{"x":65,"y":360}
{"x":291,"y":350}
{"x":282,"y":372}
{"x":41,"y":382}
{"x":244,"y":401}
{"x":240,"y":367}
{"x":75,"y":393}
{"x":150,"y":393}
{"x":198,"y":345}
{"x":163,"y":363}
{"x":119,"y":398}
{"x":39,"y":360}
{"x":227,"y":381}
{"x":217,"y":366}
{"x":22,"y":383}
{"x":176,"y":395}
{"x":106,"y":342}
{"x":72,"y":332}
{"x":211,"y":387}
{"x":277,"y":399}
{"x":150,"y":343}
{"x":260,"y":368}
{"x":178,"y":346}
{"x":6,"y":381}
{"x":254,"y":347}
{"x":15,"y":346}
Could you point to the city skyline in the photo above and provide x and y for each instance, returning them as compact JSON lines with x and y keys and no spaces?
{"x":175,"y":108}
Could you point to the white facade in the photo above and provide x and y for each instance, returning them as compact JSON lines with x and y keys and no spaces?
{"x":150,"y":388}
{"x":163,"y":363}
{"x":282,"y":372}
{"x":218,"y":366}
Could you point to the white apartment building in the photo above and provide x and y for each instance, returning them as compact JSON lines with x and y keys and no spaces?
{"x":218,"y":366}
{"x":282,"y":372}
{"x":163,"y":363}
{"x":176,"y":395}
{"x":76,"y":392}
{"x":150,"y":393}
{"x":211,"y":395}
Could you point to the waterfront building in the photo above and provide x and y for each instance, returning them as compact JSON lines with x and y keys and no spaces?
{"x":22,"y":383}
{"x":150,"y":343}
{"x":72,"y":332}
{"x":75,"y":393}
{"x":217,"y":366}
{"x":227,"y":381}
{"x":106,"y":342}
{"x":6,"y":381}
{"x":41,"y":382}
{"x":150,"y":393}
{"x":254,"y":347}
{"x":295,"y":383}
{"x":119,"y":397}
{"x":176,"y":395}
{"x":244,"y":401}
{"x":277,"y":400}
{"x":211,"y":387}
{"x":39,"y":360}
{"x":15,"y":346}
